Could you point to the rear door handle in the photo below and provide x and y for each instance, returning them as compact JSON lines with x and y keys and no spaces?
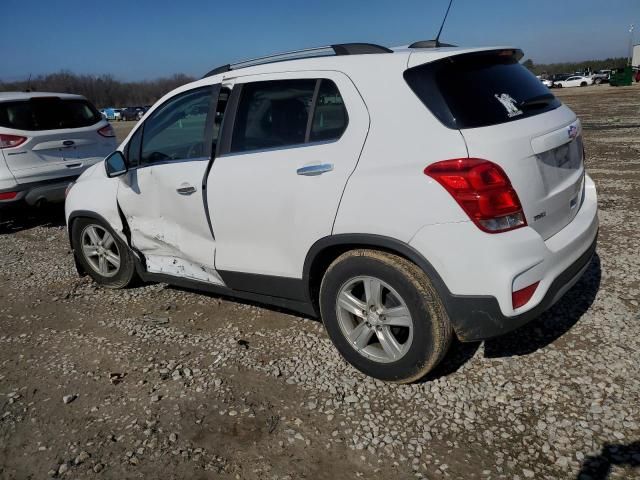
{"x":312,"y":170}
{"x":186,"y":190}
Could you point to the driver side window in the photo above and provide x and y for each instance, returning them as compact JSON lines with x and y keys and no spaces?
{"x":177,"y":130}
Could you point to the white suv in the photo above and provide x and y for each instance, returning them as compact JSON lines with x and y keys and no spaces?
{"x":403,"y":195}
{"x":46,"y":141}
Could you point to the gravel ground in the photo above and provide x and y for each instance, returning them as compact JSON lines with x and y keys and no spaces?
{"x":156,"y":381}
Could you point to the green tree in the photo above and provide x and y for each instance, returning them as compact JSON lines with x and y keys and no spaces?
{"x":528,"y":64}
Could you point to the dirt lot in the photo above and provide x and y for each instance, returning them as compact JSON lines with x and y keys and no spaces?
{"x":158,"y":382}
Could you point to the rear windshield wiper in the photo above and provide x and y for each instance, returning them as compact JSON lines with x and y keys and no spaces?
{"x":537,"y":101}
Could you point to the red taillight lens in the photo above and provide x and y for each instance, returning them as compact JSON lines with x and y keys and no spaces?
{"x":483,"y":191}
{"x":8,"y":195}
{"x":521,"y":297}
{"x":10,"y":141}
{"x":107,"y":131}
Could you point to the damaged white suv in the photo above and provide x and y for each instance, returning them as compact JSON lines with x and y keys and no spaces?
{"x":405,"y":196}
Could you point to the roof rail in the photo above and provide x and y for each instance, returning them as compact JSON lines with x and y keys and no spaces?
{"x":330,"y":50}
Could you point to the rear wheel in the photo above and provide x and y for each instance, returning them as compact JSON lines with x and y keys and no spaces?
{"x":102,"y":254}
{"x":384,"y":315}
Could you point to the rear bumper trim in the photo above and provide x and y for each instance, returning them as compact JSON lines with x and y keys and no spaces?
{"x":30,"y":193}
{"x":478,"y":318}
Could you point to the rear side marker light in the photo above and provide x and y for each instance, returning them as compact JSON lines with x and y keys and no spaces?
{"x":8,"y":195}
{"x":483,"y":191}
{"x":521,"y":297}
{"x":11,"y":141}
{"x":107,"y":131}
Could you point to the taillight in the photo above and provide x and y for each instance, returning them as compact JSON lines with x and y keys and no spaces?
{"x":107,"y":131}
{"x":10,"y":141}
{"x":483,"y":191}
{"x":521,"y":297}
{"x":8,"y":195}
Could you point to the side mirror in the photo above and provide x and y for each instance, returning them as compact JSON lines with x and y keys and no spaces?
{"x":115,"y":165}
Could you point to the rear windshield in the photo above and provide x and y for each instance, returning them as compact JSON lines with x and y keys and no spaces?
{"x":51,"y":113}
{"x":478,"y":90}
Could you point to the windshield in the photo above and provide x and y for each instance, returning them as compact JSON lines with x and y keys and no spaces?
{"x":479,"y":89}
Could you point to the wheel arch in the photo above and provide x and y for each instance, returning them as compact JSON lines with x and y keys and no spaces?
{"x":121,"y":230}
{"x":326,"y":250}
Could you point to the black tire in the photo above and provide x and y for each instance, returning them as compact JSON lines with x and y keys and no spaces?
{"x":583,"y":84}
{"x":432,"y":332}
{"x":121,"y":277}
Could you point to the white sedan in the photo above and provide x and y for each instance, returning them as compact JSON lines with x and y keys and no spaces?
{"x":575,"y":81}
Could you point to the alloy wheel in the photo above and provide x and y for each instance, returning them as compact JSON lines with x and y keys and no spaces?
{"x":100,"y":250}
{"x":374,"y":319}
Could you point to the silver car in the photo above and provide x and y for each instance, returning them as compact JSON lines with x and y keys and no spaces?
{"x":46,"y":141}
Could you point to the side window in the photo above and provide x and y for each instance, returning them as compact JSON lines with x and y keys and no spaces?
{"x":223,"y":99}
{"x":330,"y":116}
{"x":177,"y":130}
{"x":133,"y":149}
{"x":272,"y":114}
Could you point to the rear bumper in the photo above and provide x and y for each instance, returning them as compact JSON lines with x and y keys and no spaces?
{"x":51,"y":191}
{"x":480,"y":318}
{"x":479,"y":271}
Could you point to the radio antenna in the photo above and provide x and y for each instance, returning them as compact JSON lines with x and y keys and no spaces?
{"x":443,"y":22}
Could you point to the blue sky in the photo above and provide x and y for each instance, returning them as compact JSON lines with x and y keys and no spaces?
{"x":137,"y":39}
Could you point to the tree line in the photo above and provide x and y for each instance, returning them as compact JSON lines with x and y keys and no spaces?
{"x":102,"y":90}
{"x":570,"y":67}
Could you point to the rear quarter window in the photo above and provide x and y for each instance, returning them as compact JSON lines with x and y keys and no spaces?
{"x":479,"y":89}
{"x":50,"y":113}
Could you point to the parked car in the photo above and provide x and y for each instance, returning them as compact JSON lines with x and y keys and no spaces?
{"x":117,"y":114}
{"x":108,"y":113}
{"x":46,"y":141}
{"x":401,"y":220}
{"x":560,"y":76}
{"x":574,"y":81}
{"x":601,"y":76}
{"x":132,"y":113}
{"x":546,"y":82}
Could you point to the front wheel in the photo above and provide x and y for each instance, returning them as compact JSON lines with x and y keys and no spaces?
{"x":384,"y":316}
{"x":583,"y":84}
{"x":102,"y":254}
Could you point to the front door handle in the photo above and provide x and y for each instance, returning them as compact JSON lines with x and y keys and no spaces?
{"x":186,"y":190}
{"x":312,"y":170}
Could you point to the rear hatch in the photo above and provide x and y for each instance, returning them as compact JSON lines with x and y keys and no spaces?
{"x":508,"y":117}
{"x":61,"y":137}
